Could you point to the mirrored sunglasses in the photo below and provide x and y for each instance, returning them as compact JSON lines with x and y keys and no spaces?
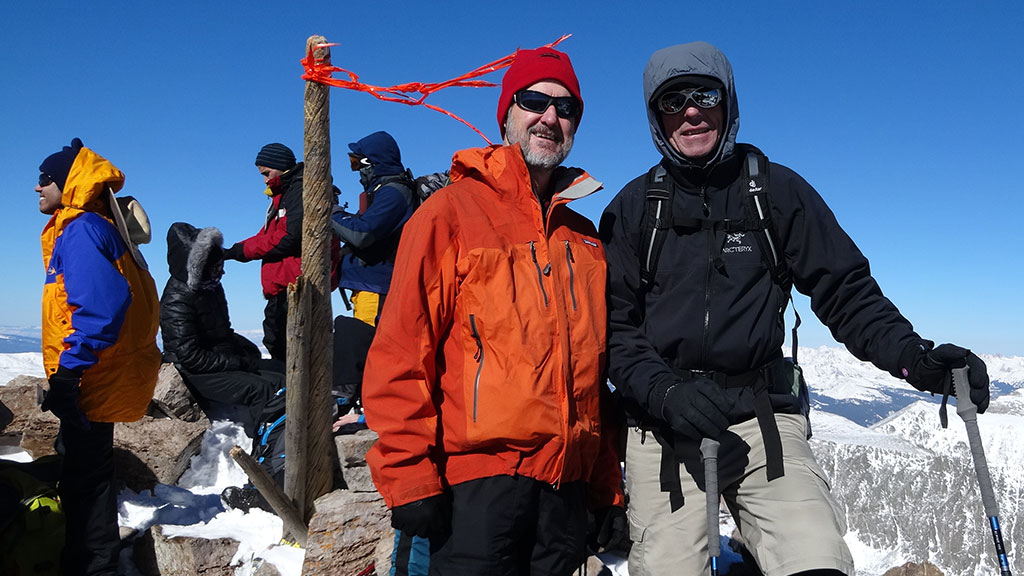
{"x":357,"y":161}
{"x":675,"y":101}
{"x":45,"y":180}
{"x":538,"y":102}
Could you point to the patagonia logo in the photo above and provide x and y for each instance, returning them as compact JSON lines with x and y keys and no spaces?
{"x":590,"y":243}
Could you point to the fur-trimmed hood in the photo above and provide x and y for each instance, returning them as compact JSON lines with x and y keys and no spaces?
{"x":189,"y":251}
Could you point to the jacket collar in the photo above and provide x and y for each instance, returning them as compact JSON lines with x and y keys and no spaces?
{"x":503,"y":169}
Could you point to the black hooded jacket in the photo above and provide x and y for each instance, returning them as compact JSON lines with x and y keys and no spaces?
{"x":194,"y":322}
{"x":713,"y":305}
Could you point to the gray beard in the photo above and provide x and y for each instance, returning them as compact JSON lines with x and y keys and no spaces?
{"x":537,"y":159}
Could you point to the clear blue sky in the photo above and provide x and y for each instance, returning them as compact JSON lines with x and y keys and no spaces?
{"x":907,"y":119}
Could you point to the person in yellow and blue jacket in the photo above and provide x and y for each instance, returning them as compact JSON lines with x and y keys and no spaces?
{"x":100,"y":319}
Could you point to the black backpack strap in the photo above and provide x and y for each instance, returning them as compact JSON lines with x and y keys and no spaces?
{"x":758,"y":204}
{"x":403,"y":182}
{"x":759,"y":209}
{"x":655,"y":224}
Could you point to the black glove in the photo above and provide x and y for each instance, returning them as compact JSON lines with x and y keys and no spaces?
{"x":426,"y":518}
{"x":692,"y":408}
{"x":612,"y":529}
{"x":62,"y":398}
{"x":927,"y":369}
{"x":235,"y":252}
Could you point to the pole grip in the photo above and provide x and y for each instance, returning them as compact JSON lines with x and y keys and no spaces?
{"x":969,"y":413}
{"x":709,"y":452}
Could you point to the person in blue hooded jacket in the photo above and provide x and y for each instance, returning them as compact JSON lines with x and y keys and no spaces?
{"x":370,"y":240}
{"x":370,"y":236}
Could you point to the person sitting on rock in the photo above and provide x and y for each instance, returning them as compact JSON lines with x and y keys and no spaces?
{"x":222,"y":368}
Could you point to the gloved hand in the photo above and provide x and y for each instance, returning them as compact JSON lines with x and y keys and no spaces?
{"x":926,"y":369}
{"x":612,"y":529}
{"x":62,"y":398}
{"x":692,"y":408}
{"x":426,"y":518}
{"x":340,"y":212}
{"x":235,"y":252}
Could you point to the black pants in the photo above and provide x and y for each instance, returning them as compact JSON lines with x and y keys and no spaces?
{"x":275,"y":326}
{"x":352,"y":339}
{"x":513,"y":526}
{"x":235,"y":395}
{"x":89,"y":498}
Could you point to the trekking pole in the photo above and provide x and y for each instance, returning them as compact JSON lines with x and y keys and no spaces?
{"x":709,"y":451}
{"x":969,"y":413}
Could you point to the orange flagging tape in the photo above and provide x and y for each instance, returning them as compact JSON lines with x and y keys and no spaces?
{"x":321,"y":72}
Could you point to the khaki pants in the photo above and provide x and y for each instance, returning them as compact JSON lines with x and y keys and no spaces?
{"x":789,"y":525}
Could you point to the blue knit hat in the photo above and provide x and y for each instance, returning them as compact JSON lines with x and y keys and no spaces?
{"x":276,"y":156}
{"x":58,"y":164}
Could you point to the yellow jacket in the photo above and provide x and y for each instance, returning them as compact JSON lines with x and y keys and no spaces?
{"x":100,"y":309}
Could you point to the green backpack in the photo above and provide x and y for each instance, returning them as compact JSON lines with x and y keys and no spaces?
{"x":31,"y":523}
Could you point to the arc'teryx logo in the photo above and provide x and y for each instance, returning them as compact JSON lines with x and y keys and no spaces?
{"x":736,"y":238}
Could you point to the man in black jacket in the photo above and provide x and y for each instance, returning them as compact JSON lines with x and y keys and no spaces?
{"x":695,"y":350}
{"x":221,"y":367}
{"x":278,"y":244}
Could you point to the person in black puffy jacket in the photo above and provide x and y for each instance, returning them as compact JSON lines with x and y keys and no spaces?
{"x":222,"y":368}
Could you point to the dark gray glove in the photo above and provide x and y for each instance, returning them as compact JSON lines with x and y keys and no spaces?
{"x":612,"y":529}
{"x":426,"y":518}
{"x":927,"y":369}
{"x":236,"y":252}
{"x":62,"y":398}
{"x":692,"y":408}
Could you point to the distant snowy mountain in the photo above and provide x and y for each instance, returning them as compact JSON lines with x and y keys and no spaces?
{"x":909,"y":492}
{"x":12,"y":343}
{"x":860,"y":392}
{"x":908,"y":487}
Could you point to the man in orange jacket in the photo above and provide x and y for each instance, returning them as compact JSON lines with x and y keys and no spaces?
{"x":100,"y":317}
{"x":486,"y":379}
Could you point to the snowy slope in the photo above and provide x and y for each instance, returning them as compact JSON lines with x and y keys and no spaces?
{"x":23,"y":363}
{"x":909,"y":490}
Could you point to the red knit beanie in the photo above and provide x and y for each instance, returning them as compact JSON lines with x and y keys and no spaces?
{"x":530,"y":67}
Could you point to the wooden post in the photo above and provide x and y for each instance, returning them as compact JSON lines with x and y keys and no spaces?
{"x":296,"y":441}
{"x":294,"y":525}
{"x":316,"y":268}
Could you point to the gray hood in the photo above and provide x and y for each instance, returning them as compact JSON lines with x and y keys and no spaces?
{"x":693,"y":59}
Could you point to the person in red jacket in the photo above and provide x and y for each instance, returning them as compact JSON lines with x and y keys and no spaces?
{"x":485,"y":381}
{"x":279,"y":243}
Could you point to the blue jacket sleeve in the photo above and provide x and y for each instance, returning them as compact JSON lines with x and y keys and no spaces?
{"x":97,"y":293}
{"x":389,"y":210}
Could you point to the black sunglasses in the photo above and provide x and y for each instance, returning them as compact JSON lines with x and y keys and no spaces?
{"x":538,"y":102}
{"x":45,"y":180}
{"x":674,"y":101}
